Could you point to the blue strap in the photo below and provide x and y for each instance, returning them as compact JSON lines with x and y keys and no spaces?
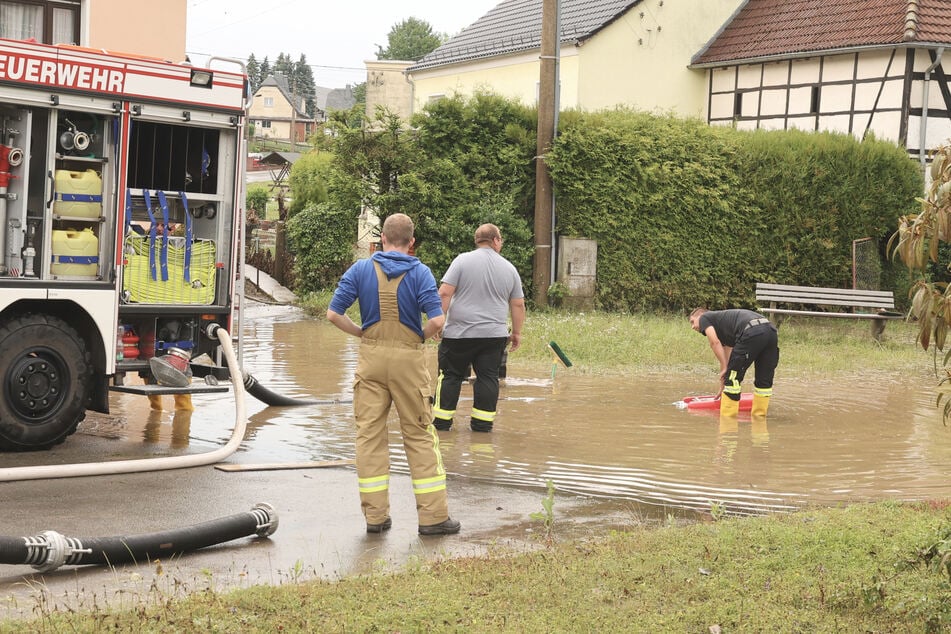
{"x":184,"y":345}
{"x":128,"y":210}
{"x":75,"y":259}
{"x":79,"y":198}
{"x":164,"y":254}
{"x":148,"y":207}
{"x":188,"y":238}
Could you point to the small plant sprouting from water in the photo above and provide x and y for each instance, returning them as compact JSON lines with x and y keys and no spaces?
{"x":547,"y":514}
{"x":297,"y":571}
{"x":717,"y":510}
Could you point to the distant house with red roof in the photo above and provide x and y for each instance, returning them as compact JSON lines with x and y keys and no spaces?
{"x":854,"y":66}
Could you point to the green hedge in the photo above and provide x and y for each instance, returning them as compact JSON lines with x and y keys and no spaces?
{"x":686,"y":214}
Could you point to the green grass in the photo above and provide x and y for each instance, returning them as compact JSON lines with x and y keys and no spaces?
{"x":613,"y":343}
{"x":860,"y":568}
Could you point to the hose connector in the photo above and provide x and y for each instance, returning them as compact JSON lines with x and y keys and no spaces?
{"x":59,"y":550}
{"x":15,"y":157}
{"x":266,"y":517}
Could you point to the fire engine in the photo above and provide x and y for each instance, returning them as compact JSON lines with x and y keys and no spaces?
{"x":121,"y":184}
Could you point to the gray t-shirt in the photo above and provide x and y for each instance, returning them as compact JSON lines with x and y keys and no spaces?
{"x":485,"y":283}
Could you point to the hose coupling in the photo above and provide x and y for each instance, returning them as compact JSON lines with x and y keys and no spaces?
{"x":59,"y":549}
{"x":266,"y":517}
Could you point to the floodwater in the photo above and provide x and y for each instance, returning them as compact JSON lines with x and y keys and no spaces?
{"x":621,"y":438}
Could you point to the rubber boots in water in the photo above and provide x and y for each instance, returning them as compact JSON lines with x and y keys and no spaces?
{"x":760,"y":405}
{"x":729,"y":407}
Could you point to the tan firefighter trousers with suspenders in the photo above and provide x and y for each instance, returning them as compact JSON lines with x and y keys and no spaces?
{"x":392,"y":368}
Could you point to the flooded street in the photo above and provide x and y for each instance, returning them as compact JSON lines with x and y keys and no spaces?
{"x":618,"y":451}
{"x":618,"y":438}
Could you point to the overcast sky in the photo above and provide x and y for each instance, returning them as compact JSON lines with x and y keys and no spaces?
{"x":335,"y":37}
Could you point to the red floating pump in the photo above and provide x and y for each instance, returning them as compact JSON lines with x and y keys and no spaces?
{"x":130,"y":344}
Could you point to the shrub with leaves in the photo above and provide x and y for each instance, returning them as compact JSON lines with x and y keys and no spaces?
{"x":322,"y":239}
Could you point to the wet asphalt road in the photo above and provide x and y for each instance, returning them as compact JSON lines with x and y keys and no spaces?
{"x":321,"y":532}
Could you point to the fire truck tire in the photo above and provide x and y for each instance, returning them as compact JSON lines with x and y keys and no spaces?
{"x":46,"y":376}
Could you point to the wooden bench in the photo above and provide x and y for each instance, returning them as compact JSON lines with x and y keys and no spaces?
{"x":880,"y":305}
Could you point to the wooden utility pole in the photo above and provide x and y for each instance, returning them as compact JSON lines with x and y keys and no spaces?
{"x":547,"y":83}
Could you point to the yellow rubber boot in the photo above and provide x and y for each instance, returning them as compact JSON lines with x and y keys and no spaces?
{"x":155,"y":402}
{"x":760,"y":405}
{"x":729,"y":407}
{"x":183,"y":403}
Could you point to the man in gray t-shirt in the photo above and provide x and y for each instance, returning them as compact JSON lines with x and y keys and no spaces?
{"x":478,"y":292}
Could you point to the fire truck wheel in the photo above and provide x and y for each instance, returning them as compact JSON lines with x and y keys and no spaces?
{"x":45,"y":382}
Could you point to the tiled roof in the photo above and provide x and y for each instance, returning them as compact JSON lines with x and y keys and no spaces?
{"x":778,"y":28}
{"x":515,"y":25}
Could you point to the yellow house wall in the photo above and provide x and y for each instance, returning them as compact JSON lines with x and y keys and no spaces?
{"x":641,"y":59}
{"x":143,"y":27}
{"x":512,"y":76}
{"x":636,"y":61}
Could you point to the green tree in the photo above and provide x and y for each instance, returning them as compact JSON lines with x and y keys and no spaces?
{"x":254,"y":73}
{"x":410,"y":39}
{"x":264,"y":71}
{"x":308,"y":180}
{"x":360,"y":93}
{"x":304,"y":81}
{"x":256,"y":200}
{"x":464,"y":162}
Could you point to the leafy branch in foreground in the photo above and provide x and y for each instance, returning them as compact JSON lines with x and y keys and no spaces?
{"x":918,"y":244}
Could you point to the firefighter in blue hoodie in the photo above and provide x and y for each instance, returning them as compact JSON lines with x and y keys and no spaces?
{"x":393,"y":288}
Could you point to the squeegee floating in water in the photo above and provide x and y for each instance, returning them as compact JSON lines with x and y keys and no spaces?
{"x":711,"y":402}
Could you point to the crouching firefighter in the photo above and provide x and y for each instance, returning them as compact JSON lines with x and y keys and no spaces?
{"x":740,"y":338}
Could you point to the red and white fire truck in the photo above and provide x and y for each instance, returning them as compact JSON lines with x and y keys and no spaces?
{"x":121,"y":197}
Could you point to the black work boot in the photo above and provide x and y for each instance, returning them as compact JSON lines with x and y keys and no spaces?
{"x":480,"y":425}
{"x":446,"y":527}
{"x":442,"y":424}
{"x":385,"y":525}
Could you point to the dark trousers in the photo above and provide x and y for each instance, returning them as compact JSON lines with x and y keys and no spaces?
{"x":758,"y":345}
{"x":484,"y":356}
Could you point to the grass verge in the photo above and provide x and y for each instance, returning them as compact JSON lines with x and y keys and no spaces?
{"x":861,"y":568}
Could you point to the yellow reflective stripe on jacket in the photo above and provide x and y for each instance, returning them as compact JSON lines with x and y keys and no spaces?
{"x":372,"y":485}
{"x":429,"y":485}
{"x":481,"y":414}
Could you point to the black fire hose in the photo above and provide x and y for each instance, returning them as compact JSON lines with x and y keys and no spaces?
{"x":50,"y":550}
{"x":269,"y":397}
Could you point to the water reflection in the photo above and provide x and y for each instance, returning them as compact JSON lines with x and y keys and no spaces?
{"x":866,"y":438}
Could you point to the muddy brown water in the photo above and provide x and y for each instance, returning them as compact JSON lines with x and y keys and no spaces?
{"x":618,"y":437}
